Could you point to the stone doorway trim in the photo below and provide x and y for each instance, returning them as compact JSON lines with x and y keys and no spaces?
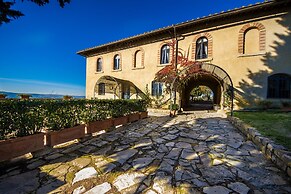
{"x":209,"y":69}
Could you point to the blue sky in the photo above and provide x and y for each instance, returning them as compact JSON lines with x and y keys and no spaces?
{"x":38,"y":50}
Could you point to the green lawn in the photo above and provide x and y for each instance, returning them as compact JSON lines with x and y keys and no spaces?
{"x":275,"y":125}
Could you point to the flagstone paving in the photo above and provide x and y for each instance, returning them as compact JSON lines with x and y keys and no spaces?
{"x":192,"y":153}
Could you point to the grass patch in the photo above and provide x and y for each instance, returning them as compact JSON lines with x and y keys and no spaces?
{"x":272,"y":124}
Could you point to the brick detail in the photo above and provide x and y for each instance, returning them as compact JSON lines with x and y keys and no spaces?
{"x":210,"y":44}
{"x":134,"y":57}
{"x":262,"y":36}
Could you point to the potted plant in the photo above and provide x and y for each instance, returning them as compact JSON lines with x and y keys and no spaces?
{"x":64,"y":122}
{"x":2,"y":96}
{"x":67,"y":97}
{"x":24,"y":96}
{"x":173,"y":109}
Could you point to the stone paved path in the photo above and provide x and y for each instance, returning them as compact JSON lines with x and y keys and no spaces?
{"x":191,"y":153}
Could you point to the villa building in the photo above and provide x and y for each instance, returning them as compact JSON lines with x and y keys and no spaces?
{"x":246,"y":50}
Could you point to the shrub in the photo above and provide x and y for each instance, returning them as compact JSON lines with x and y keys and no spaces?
{"x":286,"y":104}
{"x":265,"y":104}
{"x":27,"y":117}
{"x":174,"y":107}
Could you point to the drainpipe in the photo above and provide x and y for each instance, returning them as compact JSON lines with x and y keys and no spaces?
{"x":176,"y":59}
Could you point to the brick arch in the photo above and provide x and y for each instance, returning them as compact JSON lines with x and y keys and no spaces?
{"x":159,"y":52}
{"x":142,"y":56}
{"x":262,"y":36}
{"x":210,"y":44}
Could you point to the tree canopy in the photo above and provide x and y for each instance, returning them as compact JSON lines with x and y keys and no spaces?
{"x":7,"y":14}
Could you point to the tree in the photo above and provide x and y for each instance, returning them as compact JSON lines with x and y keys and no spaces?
{"x":180,"y":71}
{"x":7,"y":14}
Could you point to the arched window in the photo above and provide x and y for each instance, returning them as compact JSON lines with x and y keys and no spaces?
{"x":101,"y":89}
{"x":157,"y":88}
{"x":165,"y":54}
{"x":202,"y":48}
{"x":138,"y":61}
{"x":116,"y":62}
{"x":99,"y":65}
{"x":252,"y":38}
{"x":279,"y":86}
{"x":251,"y":41}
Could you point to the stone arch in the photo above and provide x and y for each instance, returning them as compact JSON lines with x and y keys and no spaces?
{"x":207,"y":73}
{"x":210,"y":44}
{"x":115,"y":88}
{"x":262,"y":36}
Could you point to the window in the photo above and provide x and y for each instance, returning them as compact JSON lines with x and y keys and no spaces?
{"x":202,"y":48}
{"x":252,"y":38}
{"x":99,"y":65}
{"x":157,"y":88}
{"x":138,"y":59}
{"x":101,"y":89}
{"x":165,"y":54}
{"x":116,"y":62}
{"x":279,"y":86}
{"x":251,"y":41}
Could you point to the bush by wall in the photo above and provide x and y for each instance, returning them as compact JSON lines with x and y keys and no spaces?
{"x":26,"y":117}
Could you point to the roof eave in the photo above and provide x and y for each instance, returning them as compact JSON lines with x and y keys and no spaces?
{"x":88,"y":52}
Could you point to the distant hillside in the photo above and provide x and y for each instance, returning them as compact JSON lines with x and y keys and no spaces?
{"x":51,"y":96}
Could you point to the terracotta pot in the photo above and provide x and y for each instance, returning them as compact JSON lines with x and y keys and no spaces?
{"x":173,"y":113}
{"x":133,"y":117}
{"x":21,"y":145}
{"x":99,"y":125}
{"x":120,"y":120}
{"x":143,"y":115}
{"x":3,"y":96}
{"x":65,"y":135}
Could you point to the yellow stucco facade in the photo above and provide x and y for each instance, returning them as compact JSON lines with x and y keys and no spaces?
{"x":250,"y":44}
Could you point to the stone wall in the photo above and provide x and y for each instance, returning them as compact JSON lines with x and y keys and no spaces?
{"x":276,"y":153}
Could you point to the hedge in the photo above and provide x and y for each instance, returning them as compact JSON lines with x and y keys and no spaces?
{"x":26,"y":117}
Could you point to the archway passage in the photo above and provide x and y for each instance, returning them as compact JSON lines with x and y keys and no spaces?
{"x":199,"y":99}
{"x":210,"y":75}
{"x":110,"y":87}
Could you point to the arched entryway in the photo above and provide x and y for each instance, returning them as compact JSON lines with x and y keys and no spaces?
{"x":201,"y":100}
{"x":203,"y":74}
{"x":109,"y":87}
